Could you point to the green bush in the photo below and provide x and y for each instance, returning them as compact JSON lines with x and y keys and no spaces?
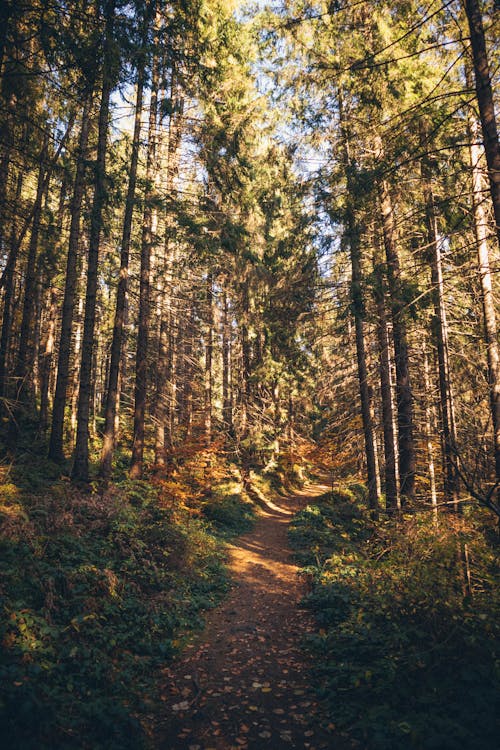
{"x":403,"y":658}
{"x":229,"y":514}
{"x":94,"y":592}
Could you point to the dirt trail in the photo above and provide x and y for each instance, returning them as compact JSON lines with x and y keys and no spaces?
{"x":244,"y":682}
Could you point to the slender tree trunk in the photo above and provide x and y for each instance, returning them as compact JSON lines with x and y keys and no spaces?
{"x":364,"y":391}
{"x":6,"y":138}
{"x":25,"y":354}
{"x":56,"y":452}
{"x":487,"y":297}
{"x":357,"y":305}
{"x":404,"y":397}
{"x":9,"y":275}
{"x":80,"y":470}
{"x":75,"y":381}
{"x":172,"y":379}
{"x":440,"y":331}
{"x":429,"y":430}
{"x":486,"y":103}
{"x":165,"y":396}
{"x":141,"y":367}
{"x":390,"y":456}
{"x":246,"y":361}
{"x":109,"y":436}
{"x":227,"y":412}
{"x":46,"y":363}
{"x":162,"y":379}
{"x":187,"y":385}
{"x":209,"y":346}
{"x":378,"y":478}
{"x":24,"y":362}
{"x":50,"y":323}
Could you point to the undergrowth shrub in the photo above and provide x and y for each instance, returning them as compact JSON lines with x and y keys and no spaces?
{"x":406,"y":655}
{"x":228,"y":511}
{"x":95,"y":591}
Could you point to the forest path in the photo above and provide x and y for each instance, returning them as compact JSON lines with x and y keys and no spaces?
{"x":244,"y":681}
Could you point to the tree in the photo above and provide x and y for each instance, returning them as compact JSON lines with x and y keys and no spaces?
{"x":80,"y":470}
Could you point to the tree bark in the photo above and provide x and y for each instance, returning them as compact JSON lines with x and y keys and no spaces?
{"x":187,"y":381}
{"x":112,"y":396}
{"x":404,"y":397}
{"x":390,"y":455}
{"x":486,"y":103}
{"x":487,"y":297}
{"x":56,"y":452}
{"x":165,"y":387}
{"x":353,"y":233}
{"x":46,"y":359}
{"x":9,"y":274}
{"x":25,"y":355}
{"x":364,"y":390}
{"x":227,"y":411}
{"x":429,"y":430}
{"x":80,"y":470}
{"x":141,"y":365}
{"x":209,"y":346}
{"x":440,"y":331}
{"x":246,"y":361}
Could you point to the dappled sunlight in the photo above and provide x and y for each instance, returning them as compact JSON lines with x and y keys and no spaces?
{"x":247,"y":669}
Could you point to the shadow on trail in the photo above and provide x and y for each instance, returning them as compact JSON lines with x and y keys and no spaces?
{"x":244,"y":682}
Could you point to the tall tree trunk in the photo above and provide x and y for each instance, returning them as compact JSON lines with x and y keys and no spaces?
{"x":56,"y":452}
{"x":109,"y":437}
{"x":49,"y":328}
{"x":487,"y":298}
{"x":9,"y":275}
{"x":390,"y":455}
{"x":187,"y":383}
{"x":364,"y":390}
{"x":428,"y":429}
{"x":227,"y":411}
{"x":75,"y":379}
{"x":404,"y":397}
{"x":46,"y":359}
{"x":209,"y":346}
{"x":163,"y":375}
{"x":246,"y":362}
{"x":353,"y":232}
{"x":440,"y":332}
{"x":141,"y":365}
{"x":80,"y":471}
{"x":25,"y":354}
{"x":486,"y":103}
{"x":165,"y":396}
{"x":6,"y":143}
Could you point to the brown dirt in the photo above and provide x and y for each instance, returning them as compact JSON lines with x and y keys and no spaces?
{"x":244,"y":682}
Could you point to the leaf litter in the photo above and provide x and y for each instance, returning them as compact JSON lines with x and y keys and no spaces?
{"x":244,"y":682}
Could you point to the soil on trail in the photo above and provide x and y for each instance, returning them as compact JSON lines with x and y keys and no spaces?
{"x":244,"y":682}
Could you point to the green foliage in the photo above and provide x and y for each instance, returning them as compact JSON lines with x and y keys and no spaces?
{"x":95,"y":591}
{"x":230,"y":515}
{"x":403,"y":657}
{"x":228,"y":512}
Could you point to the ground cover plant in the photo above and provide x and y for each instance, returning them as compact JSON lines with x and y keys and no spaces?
{"x":407,"y":648}
{"x":97,"y":591}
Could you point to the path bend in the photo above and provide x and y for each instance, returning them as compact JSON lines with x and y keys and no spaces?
{"x":244,"y":681}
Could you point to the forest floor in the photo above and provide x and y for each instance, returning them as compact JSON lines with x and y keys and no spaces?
{"x":244,"y":682}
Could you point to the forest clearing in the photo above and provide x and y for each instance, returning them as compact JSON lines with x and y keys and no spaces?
{"x":249,"y":375}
